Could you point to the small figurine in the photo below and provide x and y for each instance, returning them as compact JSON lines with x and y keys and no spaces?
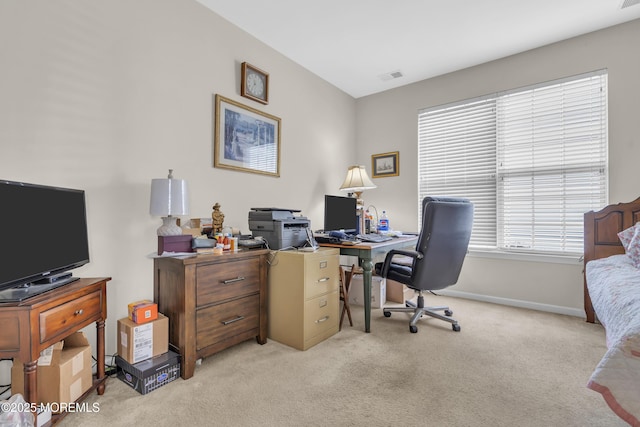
{"x":218,"y":219}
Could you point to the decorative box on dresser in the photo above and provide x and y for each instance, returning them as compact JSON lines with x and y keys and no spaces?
{"x":304,"y":300}
{"x":212,"y":302}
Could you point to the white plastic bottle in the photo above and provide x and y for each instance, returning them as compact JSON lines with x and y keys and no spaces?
{"x":383,"y":223}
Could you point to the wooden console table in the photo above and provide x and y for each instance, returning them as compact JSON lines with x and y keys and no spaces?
{"x":212,"y":302}
{"x":36,"y":323}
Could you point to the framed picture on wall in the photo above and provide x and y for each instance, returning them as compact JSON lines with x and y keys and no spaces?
{"x":385,"y":164}
{"x":245,"y":139}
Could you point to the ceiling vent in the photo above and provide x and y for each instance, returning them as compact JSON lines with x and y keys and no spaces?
{"x":627,"y":3}
{"x":396,"y":74}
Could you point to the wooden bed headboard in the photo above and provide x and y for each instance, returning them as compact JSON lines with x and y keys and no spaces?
{"x":601,"y":230}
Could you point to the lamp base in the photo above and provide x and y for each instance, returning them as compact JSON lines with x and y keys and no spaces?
{"x":169,"y":227}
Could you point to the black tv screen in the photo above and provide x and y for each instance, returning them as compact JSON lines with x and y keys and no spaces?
{"x":340,"y":214}
{"x":43,"y":232}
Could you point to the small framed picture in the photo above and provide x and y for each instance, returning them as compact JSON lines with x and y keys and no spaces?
{"x":385,"y":164}
{"x":246,"y":139}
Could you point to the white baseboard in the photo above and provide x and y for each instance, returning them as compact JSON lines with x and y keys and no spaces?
{"x":569,"y":311}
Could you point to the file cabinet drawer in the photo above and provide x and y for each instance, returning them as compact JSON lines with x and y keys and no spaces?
{"x":321,"y":315}
{"x":321,"y":274}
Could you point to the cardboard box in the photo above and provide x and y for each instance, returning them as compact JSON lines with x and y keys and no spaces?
{"x":143,"y":311}
{"x":378,"y":291}
{"x":150,"y":374}
{"x":64,"y":371}
{"x":396,"y":291}
{"x":140,"y":342}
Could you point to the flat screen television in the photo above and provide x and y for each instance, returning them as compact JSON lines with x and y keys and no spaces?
{"x":43,"y":236}
{"x":340,"y":214}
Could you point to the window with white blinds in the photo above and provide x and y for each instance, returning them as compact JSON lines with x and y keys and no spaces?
{"x":532,"y":161}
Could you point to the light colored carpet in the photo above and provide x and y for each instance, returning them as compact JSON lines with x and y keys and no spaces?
{"x":507,"y":367}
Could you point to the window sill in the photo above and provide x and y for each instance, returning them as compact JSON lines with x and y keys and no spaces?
{"x":514,"y":256}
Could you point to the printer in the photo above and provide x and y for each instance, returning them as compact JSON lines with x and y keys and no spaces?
{"x":279,"y":227}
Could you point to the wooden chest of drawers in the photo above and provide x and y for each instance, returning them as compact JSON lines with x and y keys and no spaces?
{"x":304,"y":299}
{"x":212,"y":302}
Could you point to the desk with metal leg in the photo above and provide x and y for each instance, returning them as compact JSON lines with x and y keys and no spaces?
{"x":366,"y":253}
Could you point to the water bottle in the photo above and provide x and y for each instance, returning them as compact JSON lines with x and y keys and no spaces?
{"x":383,"y":223}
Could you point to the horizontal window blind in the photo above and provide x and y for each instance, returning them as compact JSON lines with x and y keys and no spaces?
{"x":457,"y":158}
{"x":551,"y":163}
{"x":532,"y":161}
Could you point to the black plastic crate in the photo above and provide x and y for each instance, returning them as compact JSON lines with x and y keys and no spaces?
{"x":149,"y":374}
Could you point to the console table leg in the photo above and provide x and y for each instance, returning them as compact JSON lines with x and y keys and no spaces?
{"x":100,"y":354}
{"x":30,"y":381}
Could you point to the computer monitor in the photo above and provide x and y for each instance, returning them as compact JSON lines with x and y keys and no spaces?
{"x":340,"y":214}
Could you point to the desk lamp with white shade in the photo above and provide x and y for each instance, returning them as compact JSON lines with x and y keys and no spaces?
{"x":356,"y":182}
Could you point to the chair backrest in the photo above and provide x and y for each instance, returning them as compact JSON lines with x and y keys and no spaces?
{"x":443,"y":241}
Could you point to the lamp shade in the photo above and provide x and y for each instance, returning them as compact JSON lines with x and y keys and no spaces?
{"x":169,"y":197}
{"x":357,"y":180}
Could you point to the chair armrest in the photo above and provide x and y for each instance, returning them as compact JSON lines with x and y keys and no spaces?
{"x":393,"y":252}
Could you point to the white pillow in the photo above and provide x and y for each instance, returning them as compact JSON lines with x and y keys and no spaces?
{"x":633,"y":248}
{"x":625,"y":236}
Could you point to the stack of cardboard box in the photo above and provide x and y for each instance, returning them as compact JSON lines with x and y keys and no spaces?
{"x":64,"y":373}
{"x":144,"y":360}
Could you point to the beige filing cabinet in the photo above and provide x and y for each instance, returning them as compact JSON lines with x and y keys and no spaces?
{"x":304,"y":299}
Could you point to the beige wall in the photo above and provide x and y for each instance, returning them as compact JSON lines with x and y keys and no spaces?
{"x":106,"y":95}
{"x":388,"y":122}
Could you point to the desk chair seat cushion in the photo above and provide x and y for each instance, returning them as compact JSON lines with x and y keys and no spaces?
{"x":398,"y":272}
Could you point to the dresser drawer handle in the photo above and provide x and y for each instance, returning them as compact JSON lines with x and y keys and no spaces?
{"x":228,"y":322}
{"x":324,"y":279}
{"x":237,"y":279}
{"x":324,"y":319}
{"x":78,"y":312}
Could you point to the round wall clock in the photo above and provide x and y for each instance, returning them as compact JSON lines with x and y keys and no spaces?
{"x":254,"y":84}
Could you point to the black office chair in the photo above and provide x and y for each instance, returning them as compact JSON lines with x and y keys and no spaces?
{"x":437,"y":259}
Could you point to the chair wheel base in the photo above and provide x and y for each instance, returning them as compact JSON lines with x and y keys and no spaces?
{"x":418,"y":311}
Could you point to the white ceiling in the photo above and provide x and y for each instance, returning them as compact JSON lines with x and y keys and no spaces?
{"x":351,"y":43}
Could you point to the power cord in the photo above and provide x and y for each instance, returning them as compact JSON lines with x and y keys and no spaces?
{"x":110,"y":369}
{"x":376,"y":211}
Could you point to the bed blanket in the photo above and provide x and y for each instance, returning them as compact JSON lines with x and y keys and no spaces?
{"x":614,"y":287}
